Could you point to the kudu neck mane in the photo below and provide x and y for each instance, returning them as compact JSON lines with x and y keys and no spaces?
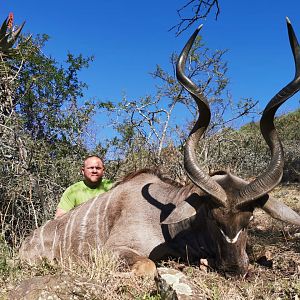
{"x":155,"y":172}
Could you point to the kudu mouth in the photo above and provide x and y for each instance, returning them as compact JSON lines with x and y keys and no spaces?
{"x":230,"y":269}
{"x":236,"y":267}
{"x":231,"y":272}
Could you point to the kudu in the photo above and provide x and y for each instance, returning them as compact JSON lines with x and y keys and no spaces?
{"x":146,"y":217}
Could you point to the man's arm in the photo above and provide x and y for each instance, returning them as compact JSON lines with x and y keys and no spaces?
{"x":66,"y":202}
{"x":59,"y":212}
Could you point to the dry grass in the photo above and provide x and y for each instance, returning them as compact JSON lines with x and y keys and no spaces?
{"x":274,"y":252}
{"x":105,"y":278}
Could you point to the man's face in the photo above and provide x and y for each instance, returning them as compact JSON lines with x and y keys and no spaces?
{"x":93,"y":170}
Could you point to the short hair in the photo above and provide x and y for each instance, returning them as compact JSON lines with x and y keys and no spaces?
{"x":90,"y":156}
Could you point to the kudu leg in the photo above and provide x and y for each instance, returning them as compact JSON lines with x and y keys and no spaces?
{"x":139,"y":264}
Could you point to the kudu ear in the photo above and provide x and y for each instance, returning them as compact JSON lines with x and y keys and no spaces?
{"x":279,"y":210}
{"x":187,"y":208}
{"x":182,"y":211}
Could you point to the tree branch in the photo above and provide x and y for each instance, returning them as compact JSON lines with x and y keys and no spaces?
{"x":192,"y":11}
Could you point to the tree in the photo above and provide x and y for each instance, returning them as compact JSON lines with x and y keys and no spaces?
{"x":43,"y":131}
{"x":50,"y":96}
{"x":192,"y":11}
{"x":147,"y":129}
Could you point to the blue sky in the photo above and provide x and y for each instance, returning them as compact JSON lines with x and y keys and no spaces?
{"x":128,"y":39}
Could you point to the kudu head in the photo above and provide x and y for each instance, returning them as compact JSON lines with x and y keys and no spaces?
{"x":230,"y":200}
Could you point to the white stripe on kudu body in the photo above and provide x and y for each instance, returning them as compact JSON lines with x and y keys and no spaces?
{"x":104,"y":215}
{"x":101,"y":215}
{"x":70,"y":235}
{"x":42,"y":237}
{"x":64,"y":241}
{"x":54,"y":242}
{"x":83,"y":226}
{"x":98,"y":214}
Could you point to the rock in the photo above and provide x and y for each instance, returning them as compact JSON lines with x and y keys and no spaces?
{"x":41,"y":288}
{"x":204,"y":265}
{"x":174,"y":285}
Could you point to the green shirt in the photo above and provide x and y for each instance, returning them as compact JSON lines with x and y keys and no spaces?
{"x":79,"y":193}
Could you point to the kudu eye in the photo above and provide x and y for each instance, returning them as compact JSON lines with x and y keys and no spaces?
{"x":249,"y":220}
{"x":246,"y":222}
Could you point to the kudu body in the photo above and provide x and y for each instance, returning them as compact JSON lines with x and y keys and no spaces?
{"x":146,"y":217}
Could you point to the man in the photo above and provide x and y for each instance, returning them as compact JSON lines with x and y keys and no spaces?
{"x":91,"y":186}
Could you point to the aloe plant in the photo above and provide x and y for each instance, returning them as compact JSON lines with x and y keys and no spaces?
{"x":8,"y":37}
